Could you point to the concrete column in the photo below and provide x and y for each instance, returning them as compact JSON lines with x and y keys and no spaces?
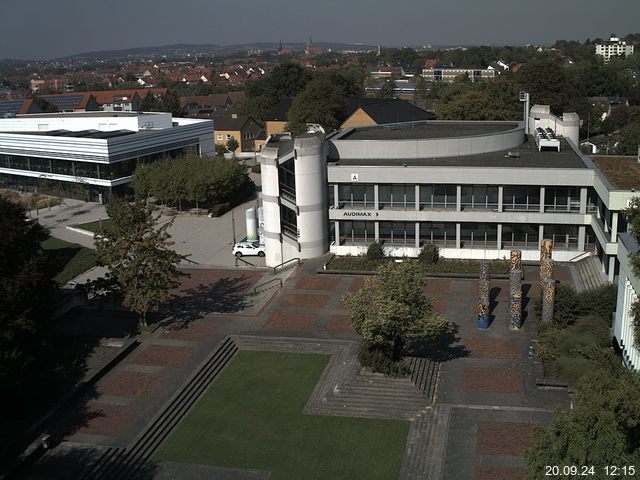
{"x":336,"y":200}
{"x":541,"y":202}
{"x":458,"y":236}
{"x":499,"y":236}
{"x":614,"y":226}
{"x":417,"y":234}
{"x":500,"y":198}
{"x":582,"y":233}
{"x":607,"y":222}
{"x":417,"y":194}
{"x":612,"y":268}
{"x":598,"y":209}
{"x":583,"y":201}
{"x":336,"y":231}
{"x":376,"y":227}
{"x":375,"y":205}
{"x":458,"y":198}
{"x":540,"y":235}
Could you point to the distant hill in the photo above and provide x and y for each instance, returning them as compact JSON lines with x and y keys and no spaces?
{"x":182,"y":50}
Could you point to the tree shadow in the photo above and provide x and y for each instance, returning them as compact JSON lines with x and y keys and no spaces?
{"x":73,"y":462}
{"x":442,"y":349}
{"x":226,"y":295}
{"x":55,"y":403}
{"x":526,"y":288}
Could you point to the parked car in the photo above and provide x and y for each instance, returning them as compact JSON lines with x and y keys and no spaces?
{"x":248,"y":248}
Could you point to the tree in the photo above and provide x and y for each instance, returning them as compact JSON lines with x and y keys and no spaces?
{"x":387,"y":90}
{"x":232,"y":144}
{"x":220,"y":149}
{"x":142,"y":269}
{"x":389,"y":309}
{"x":26,"y":299}
{"x":320,"y":102}
{"x":629,"y":139}
{"x":602,"y":429}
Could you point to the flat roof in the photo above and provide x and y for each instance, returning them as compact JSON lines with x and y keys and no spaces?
{"x":622,"y":172}
{"x":524,"y":156}
{"x":429,"y":129}
{"x":87,"y":114}
{"x":96,"y":134}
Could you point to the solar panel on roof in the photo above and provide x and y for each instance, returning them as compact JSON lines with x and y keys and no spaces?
{"x":10,"y":106}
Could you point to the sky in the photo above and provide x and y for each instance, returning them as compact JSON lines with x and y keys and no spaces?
{"x":45,"y":29}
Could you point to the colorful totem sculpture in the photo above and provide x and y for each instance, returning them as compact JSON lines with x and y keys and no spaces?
{"x":483,"y":295}
{"x":515,"y":299}
{"x":546,"y":271}
{"x":545,"y":249}
{"x":516,"y":260}
{"x":515,"y":311}
{"x":548,"y":299}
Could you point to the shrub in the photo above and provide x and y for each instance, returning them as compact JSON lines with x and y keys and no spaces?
{"x":376,"y":358}
{"x":220,"y":209}
{"x":429,"y":254}
{"x":256,"y":168}
{"x":375,"y":251}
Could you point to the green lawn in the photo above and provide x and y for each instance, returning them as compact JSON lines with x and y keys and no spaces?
{"x":68,"y":259}
{"x":252,"y":418}
{"x":94,"y":226}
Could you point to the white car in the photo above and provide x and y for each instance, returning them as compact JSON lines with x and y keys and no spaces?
{"x":248,"y":248}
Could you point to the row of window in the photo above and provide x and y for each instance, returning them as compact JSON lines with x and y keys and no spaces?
{"x":439,"y":196}
{"x":444,"y":233}
{"x":105,"y":171}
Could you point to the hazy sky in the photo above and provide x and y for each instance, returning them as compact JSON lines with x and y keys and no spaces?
{"x":37,"y":29}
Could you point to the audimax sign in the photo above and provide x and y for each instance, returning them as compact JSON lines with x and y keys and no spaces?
{"x":359,"y":214}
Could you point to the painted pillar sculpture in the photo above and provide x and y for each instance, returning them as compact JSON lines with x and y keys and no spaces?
{"x":516,"y":260}
{"x":546,"y":271}
{"x":548,"y":299}
{"x":515,"y":299}
{"x":483,"y":295}
{"x":545,"y":249}
{"x":515,"y":311}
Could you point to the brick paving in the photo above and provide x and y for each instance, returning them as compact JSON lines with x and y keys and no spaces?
{"x":339,"y":323}
{"x":503,"y":438}
{"x":493,"y":380}
{"x":289,"y":321}
{"x":499,"y":473}
{"x":163,"y":355}
{"x":309,"y":302}
{"x":106,"y":419}
{"x":497,"y":348}
{"x":190,"y":332}
{"x":131,"y":384}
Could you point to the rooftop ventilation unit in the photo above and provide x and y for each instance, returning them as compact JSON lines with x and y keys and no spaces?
{"x":546,"y":139}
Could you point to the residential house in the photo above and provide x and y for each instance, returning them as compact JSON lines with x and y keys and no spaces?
{"x":243,"y":128}
{"x":375,"y":111}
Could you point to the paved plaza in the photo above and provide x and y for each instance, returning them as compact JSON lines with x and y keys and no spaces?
{"x":483,"y":414}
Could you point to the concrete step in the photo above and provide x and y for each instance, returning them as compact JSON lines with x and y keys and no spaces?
{"x":127,"y":463}
{"x":437,"y":442}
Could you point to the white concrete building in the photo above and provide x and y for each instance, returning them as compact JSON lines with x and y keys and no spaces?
{"x":92,"y":154}
{"x":628,"y":288}
{"x":613,"y":48}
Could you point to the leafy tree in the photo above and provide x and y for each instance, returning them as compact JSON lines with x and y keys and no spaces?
{"x":320,"y":102}
{"x":629,"y":139}
{"x":220,"y":149}
{"x":232,"y":144}
{"x":387,"y":89}
{"x":375,"y":251}
{"x":429,"y":254}
{"x":26,"y":298}
{"x":351,"y":79}
{"x":390,"y":308}
{"x":150,"y":103}
{"x":142,"y":268}
{"x":548,"y":83}
{"x":602,"y":429}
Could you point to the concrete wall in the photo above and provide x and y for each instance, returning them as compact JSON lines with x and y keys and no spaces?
{"x":628,"y":288}
{"x":428,"y":148}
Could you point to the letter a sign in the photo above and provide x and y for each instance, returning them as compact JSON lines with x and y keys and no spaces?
{"x":354,"y":177}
